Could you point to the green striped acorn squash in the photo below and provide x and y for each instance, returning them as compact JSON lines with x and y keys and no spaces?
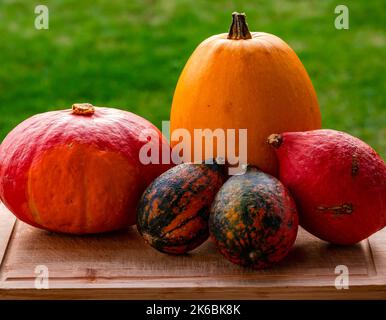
{"x":173,"y":212}
{"x":253,"y":220}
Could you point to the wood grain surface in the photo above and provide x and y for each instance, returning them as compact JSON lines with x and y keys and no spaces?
{"x":121,"y":266}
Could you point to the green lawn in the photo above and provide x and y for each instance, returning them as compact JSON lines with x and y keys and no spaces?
{"x":129,"y":53}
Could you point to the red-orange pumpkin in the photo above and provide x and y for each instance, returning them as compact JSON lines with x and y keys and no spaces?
{"x":338,"y":183}
{"x":77,"y":171}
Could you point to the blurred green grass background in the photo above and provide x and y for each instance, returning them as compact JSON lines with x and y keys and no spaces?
{"x":129,"y":54}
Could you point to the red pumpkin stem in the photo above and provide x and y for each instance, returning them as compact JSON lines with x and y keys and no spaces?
{"x":275,"y":140}
{"x":239,"y":27}
{"x":83,"y":109}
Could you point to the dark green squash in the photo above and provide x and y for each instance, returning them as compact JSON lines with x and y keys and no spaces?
{"x":253,"y":220}
{"x":173,"y":212}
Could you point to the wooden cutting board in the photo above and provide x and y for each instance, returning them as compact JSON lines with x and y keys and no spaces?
{"x":121,"y":266}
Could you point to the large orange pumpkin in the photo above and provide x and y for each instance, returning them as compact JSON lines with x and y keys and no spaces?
{"x":77,"y":171}
{"x":245,"y":80}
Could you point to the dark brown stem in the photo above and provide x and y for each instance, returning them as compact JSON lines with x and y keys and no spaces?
{"x":83,"y":109}
{"x":275,"y":140}
{"x":239,"y":28}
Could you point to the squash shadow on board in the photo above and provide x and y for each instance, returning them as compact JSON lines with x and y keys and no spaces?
{"x":314,"y":256}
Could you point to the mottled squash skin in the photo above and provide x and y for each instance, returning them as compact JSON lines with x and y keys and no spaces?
{"x":253,"y":220}
{"x":174,"y":210}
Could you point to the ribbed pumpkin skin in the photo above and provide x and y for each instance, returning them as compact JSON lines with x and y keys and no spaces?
{"x":257,"y":84}
{"x":74,"y":173}
{"x":253,"y":220}
{"x":174,"y":210}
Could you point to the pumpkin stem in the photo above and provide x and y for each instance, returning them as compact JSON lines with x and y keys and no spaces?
{"x":275,"y":140}
{"x":239,"y":28}
{"x":83,"y":109}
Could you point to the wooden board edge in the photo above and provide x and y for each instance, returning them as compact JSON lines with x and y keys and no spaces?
{"x":268,"y":293}
{"x":7,"y":226}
